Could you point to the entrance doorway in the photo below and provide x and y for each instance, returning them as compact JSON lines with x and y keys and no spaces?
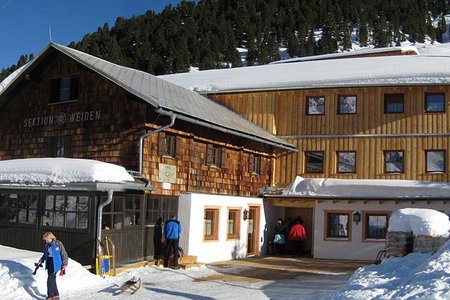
{"x":306,"y":214}
{"x":253,"y":231}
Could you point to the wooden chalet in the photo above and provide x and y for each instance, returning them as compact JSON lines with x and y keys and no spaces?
{"x":189,"y":156}
{"x":352,"y":118}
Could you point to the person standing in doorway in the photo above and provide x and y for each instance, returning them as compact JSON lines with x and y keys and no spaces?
{"x":296,"y":237}
{"x":279,"y":239}
{"x":172,"y":232}
{"x":56,"y":259}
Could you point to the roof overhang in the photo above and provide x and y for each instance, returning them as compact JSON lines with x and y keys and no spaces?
{"x":81,"y":187}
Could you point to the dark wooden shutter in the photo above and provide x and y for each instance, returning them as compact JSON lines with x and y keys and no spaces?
{"x":223,"y":157}
{"x":209,"y":154}
{"x":161,"y":143}
{"x":178,"y":149}
{"x":251,"y":163}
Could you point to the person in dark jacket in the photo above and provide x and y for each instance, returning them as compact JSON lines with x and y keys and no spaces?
{"x":279,"y":239}
{"x":158,"y":239}
{"x":172,"y":232}
{"x":56,"y":259}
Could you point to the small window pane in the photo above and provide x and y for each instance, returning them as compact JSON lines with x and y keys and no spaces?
{"x":315,"y":105}
{"x":435,"y":161}
{"x":346,"y":162}
{"x":347,"y":105}
{"x":435,"y":102}
{"x":314,"y":162}
{"x":337,"y":225}
{"x":393,"y":103}
{"x":376,"y":226}
{"x":393,"y":161}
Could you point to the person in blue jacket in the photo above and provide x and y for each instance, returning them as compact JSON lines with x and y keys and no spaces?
{"x":56,"y":259}
{"x":172,"y":232}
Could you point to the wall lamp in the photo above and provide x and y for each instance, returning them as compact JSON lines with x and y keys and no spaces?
{"x":357,"y":217}
{"x":245,"y":214}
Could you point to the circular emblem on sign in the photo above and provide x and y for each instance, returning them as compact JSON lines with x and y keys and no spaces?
{"x":61,"y":118}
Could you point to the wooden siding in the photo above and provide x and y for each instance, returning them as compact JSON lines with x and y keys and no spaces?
{"x":114,"y":136}
{"x":368,"y":132}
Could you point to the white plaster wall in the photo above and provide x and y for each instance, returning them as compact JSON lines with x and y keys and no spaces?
{"x":357,"y":248}
{"x":191,"y":209}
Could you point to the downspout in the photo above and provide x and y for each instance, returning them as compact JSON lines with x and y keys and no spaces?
{"x":100,"y":214}
{"x":141,"y":140}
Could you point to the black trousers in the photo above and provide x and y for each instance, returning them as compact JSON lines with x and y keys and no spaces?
{"x":52,"y":289}
{"x":171,"y":246}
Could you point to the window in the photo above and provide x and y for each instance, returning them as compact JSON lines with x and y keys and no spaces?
{"x":346,"y":105}
{"x":393,"y":103}
{"x":167,"y":145}
{"x":132,"y":211}
{"x":393,"y":161}
{"x":64,"y":89}
{"x":66,"y":211}
{"x":122,"y":212}
{"x":375,"y":225}
{"x":434,"y":102}
{"x":346,"y":162}
{"x":314,"y":162}
{"x":215,"y":156}
{"x":211,"y":224}
{"x":18,"y":208}
{"x":255,"y":164}
{"x":60,"y":147}
{"x":315,"y":105}
{"x":337,"y":225}
{"x":158,"y":206}
{"x":435,"y":160}
{"x":233,"y":225}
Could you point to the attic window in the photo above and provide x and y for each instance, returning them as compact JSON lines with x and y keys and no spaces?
{"x":64,"y":89}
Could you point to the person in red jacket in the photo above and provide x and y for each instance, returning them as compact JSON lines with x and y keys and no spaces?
{"x":296,"y":237}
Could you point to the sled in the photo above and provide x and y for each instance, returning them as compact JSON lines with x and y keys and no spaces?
{"x":132,"y":285}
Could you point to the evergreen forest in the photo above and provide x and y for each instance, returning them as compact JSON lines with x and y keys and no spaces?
{"x":206,"y":34}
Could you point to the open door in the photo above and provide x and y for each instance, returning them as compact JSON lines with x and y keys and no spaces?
{"x":253,"y":231}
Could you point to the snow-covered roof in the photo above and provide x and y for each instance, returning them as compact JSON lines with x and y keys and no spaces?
{"x":365,"y":189}
{"x":331,"y":73}
{"x":60,"y":171}
{"x":420,"y":221}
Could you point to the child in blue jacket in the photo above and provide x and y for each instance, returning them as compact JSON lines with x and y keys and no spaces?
{"x":56,"y":259}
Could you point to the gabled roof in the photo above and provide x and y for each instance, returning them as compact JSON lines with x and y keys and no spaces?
{"x":161,"y":94}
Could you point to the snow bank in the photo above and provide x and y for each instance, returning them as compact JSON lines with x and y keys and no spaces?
{"x":46,"y":171}
{"x":415,"y":276}
{"x":420,"y":221}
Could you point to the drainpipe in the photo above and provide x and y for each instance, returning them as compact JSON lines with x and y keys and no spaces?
{"x":141,"y":140}
{"x":100,"y":214}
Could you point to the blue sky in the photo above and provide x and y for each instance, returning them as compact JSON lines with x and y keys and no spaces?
{"x":24,"y":24}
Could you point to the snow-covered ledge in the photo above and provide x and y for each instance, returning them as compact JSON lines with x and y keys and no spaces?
{"x":64,"y":172}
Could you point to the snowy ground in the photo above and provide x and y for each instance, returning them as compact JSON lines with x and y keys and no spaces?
{"x":416,"y":276}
